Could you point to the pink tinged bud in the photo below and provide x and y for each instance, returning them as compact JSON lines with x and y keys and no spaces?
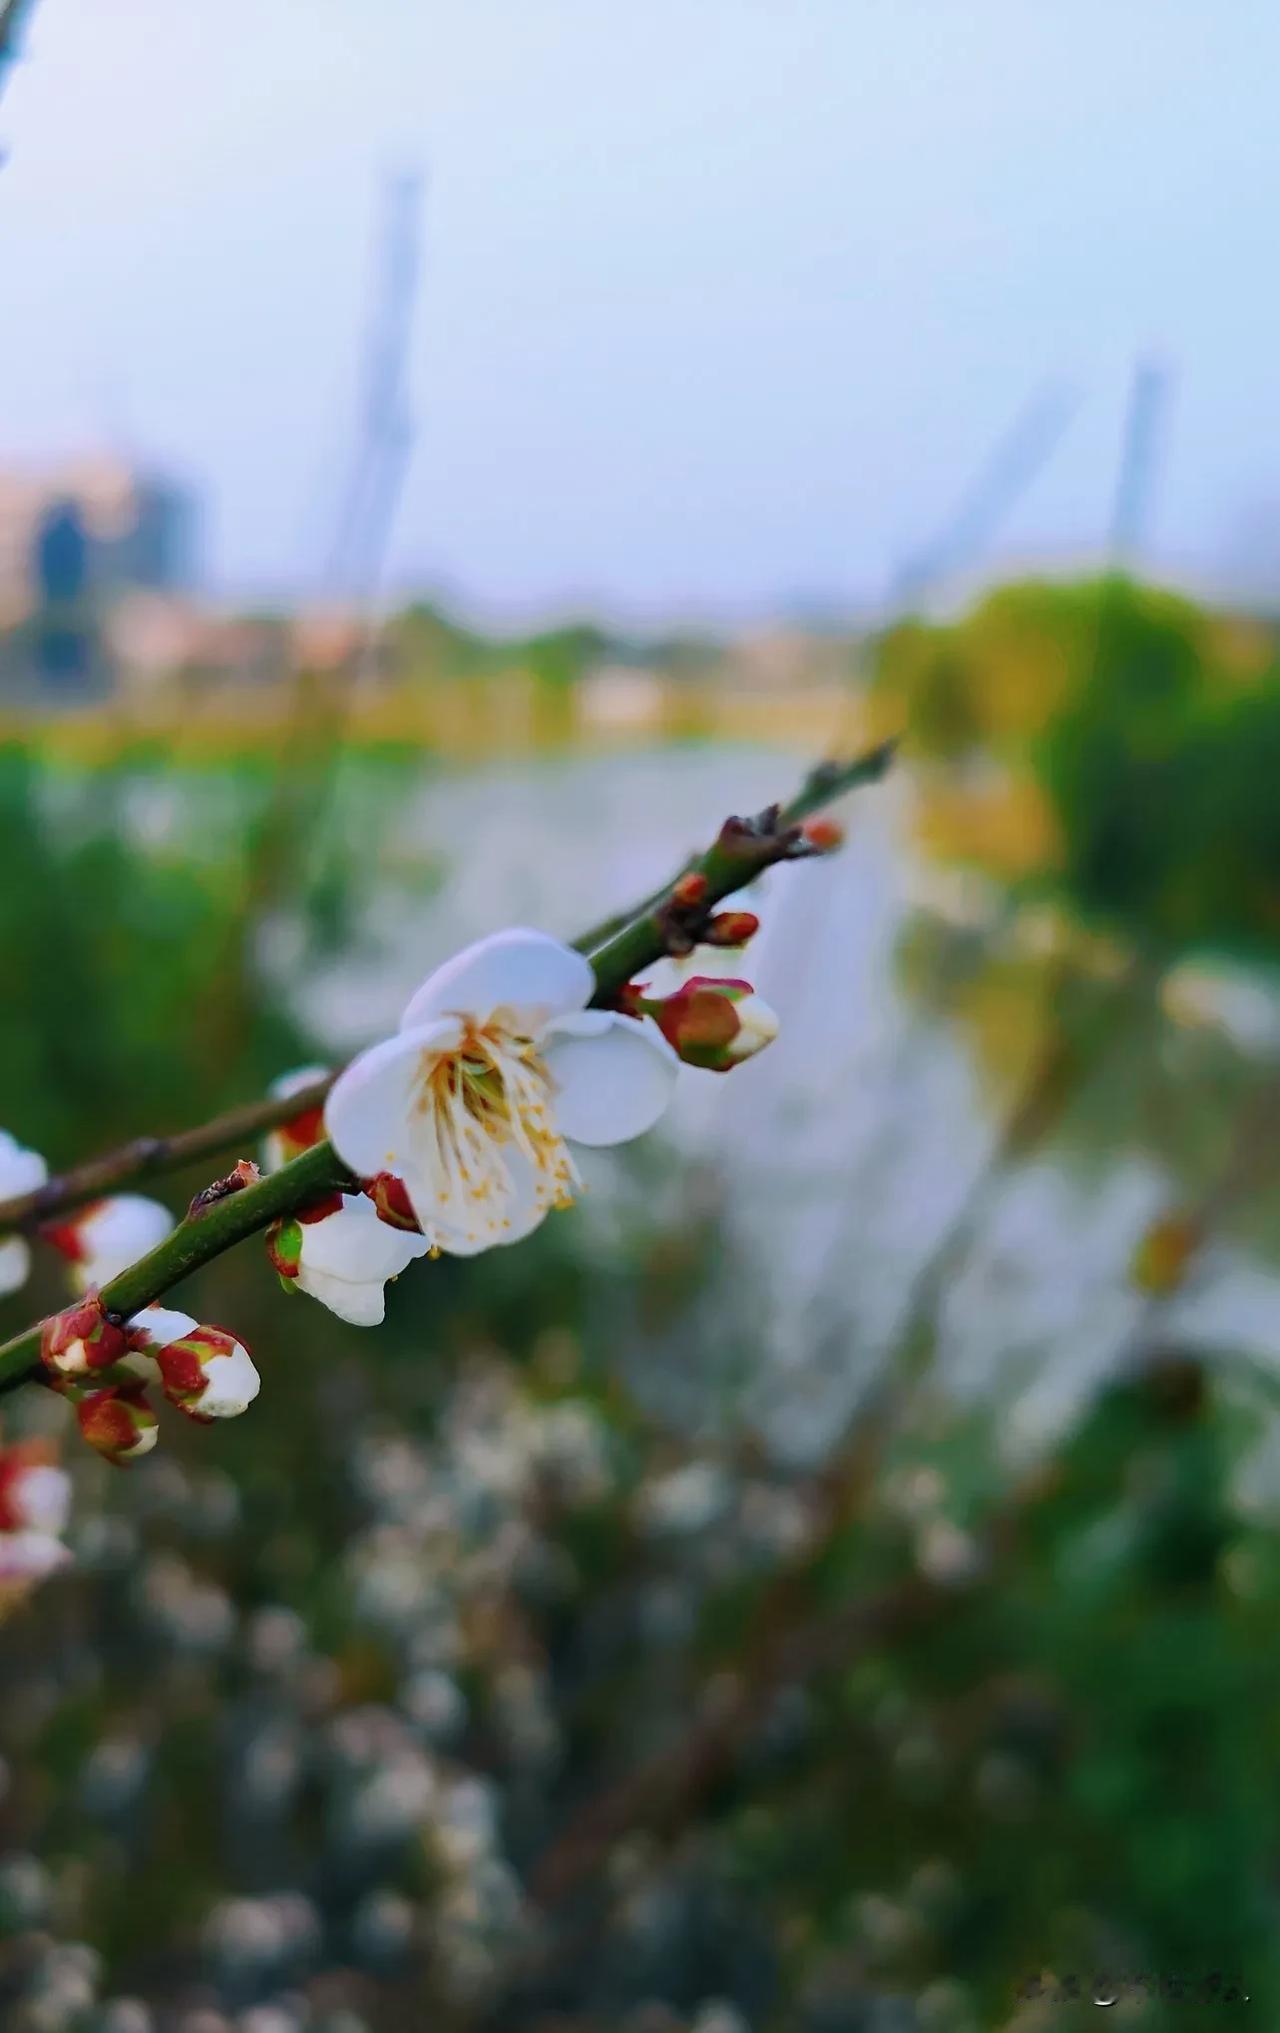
{"x":823,"y":834}
{"x":716,"y":1024}
{"x":66,"y":1238}
{"x":288,"y":1140}
{"x":118,"y":1423}
{"x":108,"y":1236}
{"x":208,"y":1374}
{"x":689,"y":891}
{"x":35,"y":1495}
{"x":391,"y":1202}
{"x":731,"y":928}
{"x":81,"y":1342}
{"x":303,"y":1133}
{"x":150,"y":1331}
{"x":155,"y":1327}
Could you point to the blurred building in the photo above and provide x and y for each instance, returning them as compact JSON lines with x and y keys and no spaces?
{"x":137,"y":528}
{"x":77,"y":538}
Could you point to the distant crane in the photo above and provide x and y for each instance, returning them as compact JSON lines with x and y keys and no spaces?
{"x":1144,"y":431}
{"x":386,"y":434}
{"x":1013,"y":463}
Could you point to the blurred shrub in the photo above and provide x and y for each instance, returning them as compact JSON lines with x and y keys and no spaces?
{"x":1134,"y":740}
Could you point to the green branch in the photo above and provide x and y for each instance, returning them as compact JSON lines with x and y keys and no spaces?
{"x":196,"y":1241}
{"x":824,"y":783}
{"x":742,"y":849}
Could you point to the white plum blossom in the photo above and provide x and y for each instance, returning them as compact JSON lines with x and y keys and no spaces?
{"x":35,"y":1501}
{"x":34,"y":1495}
{"x":497,"y":1067}
{"x":345,"y":1256}
{"x":25,"y":1558}
{"x":110,"y":1235}
{"x":21,"y":1171}
{"x":345,"y":1259}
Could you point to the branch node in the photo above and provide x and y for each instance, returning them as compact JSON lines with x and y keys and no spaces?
{"x":244,"y":1173}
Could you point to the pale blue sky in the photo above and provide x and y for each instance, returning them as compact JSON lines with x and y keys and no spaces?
{"x":724,"y":299}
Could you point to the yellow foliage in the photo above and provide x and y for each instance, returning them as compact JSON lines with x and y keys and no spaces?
{"x":1005,"y":826}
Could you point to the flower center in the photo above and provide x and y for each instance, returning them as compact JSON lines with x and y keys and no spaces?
{"x":480,"y":1104}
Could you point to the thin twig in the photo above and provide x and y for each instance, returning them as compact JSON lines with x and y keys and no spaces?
{"x":743,"y":846}
{"x":147,"y":1157}
{"x":825,"y":782}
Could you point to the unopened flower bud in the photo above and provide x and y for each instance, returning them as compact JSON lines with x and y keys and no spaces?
{"x":35,"y":1495}
{"x":108,"y":1236}
{"x":301,"y":1132}
{"x":118,"y":1422}
{"x":689,"y":890}
{"x":391,"y":1200}
{"x":155,"y":1327}
{"x":21,"y":1172}
{"x":147,"y":1333}
{"x":731,"y":928}
{"x":81,"y":1342}
{"x":715,"y":1024}
{"x":823,"y":834}
{"x":208,"y":1374}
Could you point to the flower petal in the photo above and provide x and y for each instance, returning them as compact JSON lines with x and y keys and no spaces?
{"x":452,"y":1219}
{"x":233,"y":1384}
{"x":355,"y":1245}
{"x":115,"y":1234}
{"x":360,"y":1305}
{"x":523,"y":1209}
{"x":162,"y":1324}
{"x":29,"y":1556}
{"x":41,"y":1498}
{"x":370,"y":1108}
{"x":613,"y":1076}
{"x":15,"y":1262}
{"x":524,"y":972}
{"x":21,"y":1171}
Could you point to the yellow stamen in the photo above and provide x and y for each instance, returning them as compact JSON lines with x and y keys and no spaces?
{"x":491,"y":1094}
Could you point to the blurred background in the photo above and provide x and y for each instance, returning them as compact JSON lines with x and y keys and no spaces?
{"x":828,"y":1580}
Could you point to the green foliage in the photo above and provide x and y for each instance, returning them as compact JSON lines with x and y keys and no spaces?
{"x":131,"y":998}
{"x":1164,"y":784}
{"x":1149,"y":728}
